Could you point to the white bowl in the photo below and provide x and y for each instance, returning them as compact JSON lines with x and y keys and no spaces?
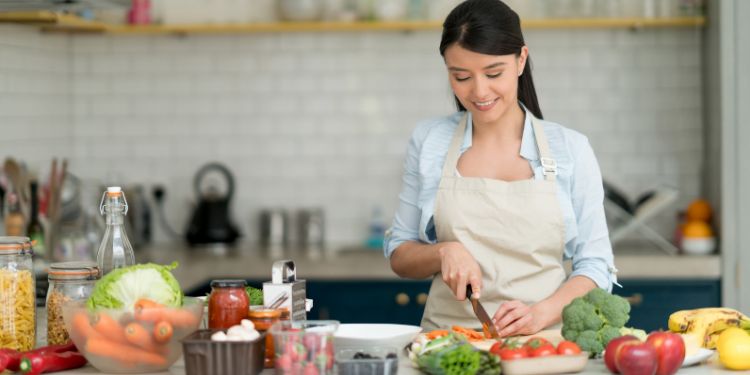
{"x":698,"y":246}
{"x":369,"y":335}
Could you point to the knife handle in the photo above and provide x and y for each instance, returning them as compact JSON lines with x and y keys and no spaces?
{"x":468,"y":291}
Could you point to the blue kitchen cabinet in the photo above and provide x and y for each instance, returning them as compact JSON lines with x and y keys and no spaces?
{"x":653,"y":300}
{"x":368,"y":301}
{"x":402,"y":301}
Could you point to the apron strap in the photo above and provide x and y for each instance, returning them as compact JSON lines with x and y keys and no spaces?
{"x":451,"y":158}
{"x":549,"y":165}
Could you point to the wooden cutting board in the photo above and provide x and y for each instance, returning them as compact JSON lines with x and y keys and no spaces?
{"x":553,"y":335}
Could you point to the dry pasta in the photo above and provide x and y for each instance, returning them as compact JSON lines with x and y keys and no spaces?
{"x":56,"y":333}
{"x":17,"y":309}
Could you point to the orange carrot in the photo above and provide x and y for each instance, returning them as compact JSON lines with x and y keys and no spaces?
{"x":177,"y":317}
{"x":82,"y":326}
{"x":469,"y":333}
{"x":163,"y":331}
{"x":141,"y":337}
{"x":436,"y":333}
{"x":126,"y":354}
{"x":145,"y":303}
{"x":109,"y":328}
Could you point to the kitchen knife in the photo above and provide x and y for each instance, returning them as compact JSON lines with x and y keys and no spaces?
{"x":487,"y":325}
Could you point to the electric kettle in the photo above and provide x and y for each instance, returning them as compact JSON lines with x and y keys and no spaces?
{"x":211,"y":221}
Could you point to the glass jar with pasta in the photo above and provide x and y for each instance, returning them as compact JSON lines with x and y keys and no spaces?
{"x":17,"y":294}
{"x":68,"y":281}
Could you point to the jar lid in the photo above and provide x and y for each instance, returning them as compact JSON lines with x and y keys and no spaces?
{"x":229,"y":283}
{"x":261,"y":312}
{"x":14,"y":244}
{"x":74,"y":270}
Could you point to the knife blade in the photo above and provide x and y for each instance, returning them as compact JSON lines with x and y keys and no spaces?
{"x":487,"y":325}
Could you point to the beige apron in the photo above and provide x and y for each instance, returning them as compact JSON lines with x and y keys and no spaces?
{"x":514,"y":230}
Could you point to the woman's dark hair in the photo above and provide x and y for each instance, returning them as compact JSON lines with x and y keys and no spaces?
{"x":490,"y":27}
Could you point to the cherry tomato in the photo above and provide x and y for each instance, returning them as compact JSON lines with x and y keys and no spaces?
{"x":536,"y":342}
{"x":542,"y":351}
{"x":509,"y":350}
{"x":568,"y":348}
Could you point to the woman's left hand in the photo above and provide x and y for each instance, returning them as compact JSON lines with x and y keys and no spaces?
{"x":516,"y":318}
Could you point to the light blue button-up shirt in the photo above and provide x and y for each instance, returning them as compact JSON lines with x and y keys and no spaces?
{"x":579,"y":184}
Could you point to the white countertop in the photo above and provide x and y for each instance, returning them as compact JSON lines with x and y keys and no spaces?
{"x":200,"y":265}
{"x":594,"y":366}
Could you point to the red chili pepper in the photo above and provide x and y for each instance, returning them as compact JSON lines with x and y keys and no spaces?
{"x":38,"y":363}
{"x":14,"y":356}
{"x":4,"y":359}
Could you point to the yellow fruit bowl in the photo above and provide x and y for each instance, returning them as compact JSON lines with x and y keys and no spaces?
{"x":128,"y":342}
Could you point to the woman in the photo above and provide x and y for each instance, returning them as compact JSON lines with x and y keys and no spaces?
{"x":494,"y":197}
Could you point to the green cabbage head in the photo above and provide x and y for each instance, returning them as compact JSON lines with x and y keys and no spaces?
{"x":122,"y":287}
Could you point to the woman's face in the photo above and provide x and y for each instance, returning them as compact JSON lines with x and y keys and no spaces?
{"x":486,"y":85}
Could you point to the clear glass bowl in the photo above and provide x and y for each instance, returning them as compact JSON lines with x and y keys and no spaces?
{"x":116,"y":341}
{"x":304,"y":344}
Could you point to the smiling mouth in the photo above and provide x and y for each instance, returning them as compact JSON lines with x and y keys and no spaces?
{"x":482,"y":106}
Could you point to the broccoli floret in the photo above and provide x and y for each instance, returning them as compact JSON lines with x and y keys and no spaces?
{"x":608,"y":333}
{"x":597,"y":316}
{"x":581,"y":316}
{"x":613,"y":309}
{"x":589,"y":341}
{"x":569,"y":334}
{"x":616,"y":312}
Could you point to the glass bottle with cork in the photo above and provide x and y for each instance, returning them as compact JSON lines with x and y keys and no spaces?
{"x":115,"y":250}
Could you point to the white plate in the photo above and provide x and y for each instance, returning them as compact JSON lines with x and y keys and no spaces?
{"x":701,"y":355}
{"x":369,"y":335}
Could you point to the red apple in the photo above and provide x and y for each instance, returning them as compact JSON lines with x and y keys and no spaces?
{"x":611,"y":351}
{"x":670,"y":351}
{"x":635,"y":357}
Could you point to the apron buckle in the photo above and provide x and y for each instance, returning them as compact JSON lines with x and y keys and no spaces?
{"x":549,"y":166}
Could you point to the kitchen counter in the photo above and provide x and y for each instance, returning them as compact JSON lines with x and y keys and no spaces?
{"x":593,"y":367}
{"x":199,"y":265}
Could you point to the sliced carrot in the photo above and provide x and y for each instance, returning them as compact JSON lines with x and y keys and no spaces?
{"x":141,"y":337}
{"x":82,"y":326}
{"x":437,"y":333}
{"x":469,"y":333}
{"x":163,"y":331}
{"x":109,"y":328}
{"x":177,"y":317}
{"x":126,"y":354}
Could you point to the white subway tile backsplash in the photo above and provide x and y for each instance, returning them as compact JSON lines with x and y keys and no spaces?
{"x":323,"y":119}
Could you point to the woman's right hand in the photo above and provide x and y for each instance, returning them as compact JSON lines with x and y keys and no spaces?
{"x":459,"y":268}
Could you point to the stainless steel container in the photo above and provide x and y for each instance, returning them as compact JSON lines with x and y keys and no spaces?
{"x":274,"y":228}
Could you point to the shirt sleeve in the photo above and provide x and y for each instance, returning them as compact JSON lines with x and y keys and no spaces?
{"x":405,"y":225}
{"x":592,"y":250}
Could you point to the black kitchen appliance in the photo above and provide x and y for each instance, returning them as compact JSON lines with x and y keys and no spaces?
{"x":211,"y":221}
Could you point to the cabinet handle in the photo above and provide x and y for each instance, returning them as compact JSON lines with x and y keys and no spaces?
{"x":635,"y":300}
{"x":402,"y":299}
{"x":422,"y":298}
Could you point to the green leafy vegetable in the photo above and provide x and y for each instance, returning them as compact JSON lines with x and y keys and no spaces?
{"x":255,"y":295}
{"x":595,"y":319}
{"x":122,"y":287}
{"x":452,"y":355}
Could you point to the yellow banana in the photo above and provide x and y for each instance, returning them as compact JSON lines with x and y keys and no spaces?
{"x":681,"y":321}
{"x":711,"y":340}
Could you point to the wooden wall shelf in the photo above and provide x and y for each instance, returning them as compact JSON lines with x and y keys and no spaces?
{"x":55,"y":22}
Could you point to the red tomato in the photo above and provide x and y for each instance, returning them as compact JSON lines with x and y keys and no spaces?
{"x":542,"y":351}
{"x":568,"y":348}
{"x":536,"y":342}
{"x":507,"y":351}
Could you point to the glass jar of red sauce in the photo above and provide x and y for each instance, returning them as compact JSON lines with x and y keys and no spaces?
{"x":228,"y":303}
{"x":263,"y":319}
